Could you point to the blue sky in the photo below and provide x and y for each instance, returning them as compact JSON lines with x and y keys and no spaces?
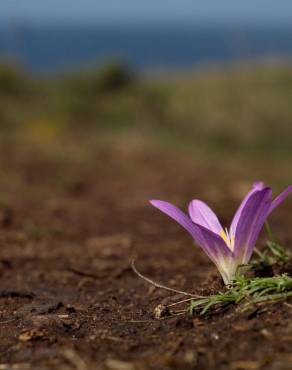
{"x":150,"y":10}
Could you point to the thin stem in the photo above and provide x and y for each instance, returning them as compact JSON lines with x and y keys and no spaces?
{"x":182,"y":301}
{"x":269,"y":231}
{"x":158,"y":285}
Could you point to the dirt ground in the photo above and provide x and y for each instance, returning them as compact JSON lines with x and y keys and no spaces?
{"x":71,"y":221}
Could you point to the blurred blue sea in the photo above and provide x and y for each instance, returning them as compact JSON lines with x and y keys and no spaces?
{"x":55,"y":47}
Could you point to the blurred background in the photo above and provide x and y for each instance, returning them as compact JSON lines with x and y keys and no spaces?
{"x":200,"y":79}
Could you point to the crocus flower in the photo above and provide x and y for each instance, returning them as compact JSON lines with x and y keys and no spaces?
{"x":227,"y":248}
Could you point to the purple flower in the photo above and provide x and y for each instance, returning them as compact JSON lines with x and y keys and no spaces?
{"x":227,"y":248}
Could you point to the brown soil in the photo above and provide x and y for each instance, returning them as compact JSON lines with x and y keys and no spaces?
{"x":70,"y":225}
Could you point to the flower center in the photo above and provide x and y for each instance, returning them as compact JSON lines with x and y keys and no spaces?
{"x":228,"y":239}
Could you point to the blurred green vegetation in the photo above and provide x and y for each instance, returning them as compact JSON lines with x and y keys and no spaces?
{"x":244,"y":109}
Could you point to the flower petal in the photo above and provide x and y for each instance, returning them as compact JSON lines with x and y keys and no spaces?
{"x":280,"y":198}
{"x":203,"y":215}
{"x":250,"y":223}
{"x":255,"y":187}
{"x":212,"y":244}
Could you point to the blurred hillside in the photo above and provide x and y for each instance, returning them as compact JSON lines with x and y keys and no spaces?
{"x":238,"y":110}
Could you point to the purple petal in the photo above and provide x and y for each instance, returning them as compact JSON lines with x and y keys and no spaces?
{"x":250,"y":223}
{"x":212,"y":244}
{"x":203,"y":215}
{"x":279,"y":199}
{"x":255,"y":187}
